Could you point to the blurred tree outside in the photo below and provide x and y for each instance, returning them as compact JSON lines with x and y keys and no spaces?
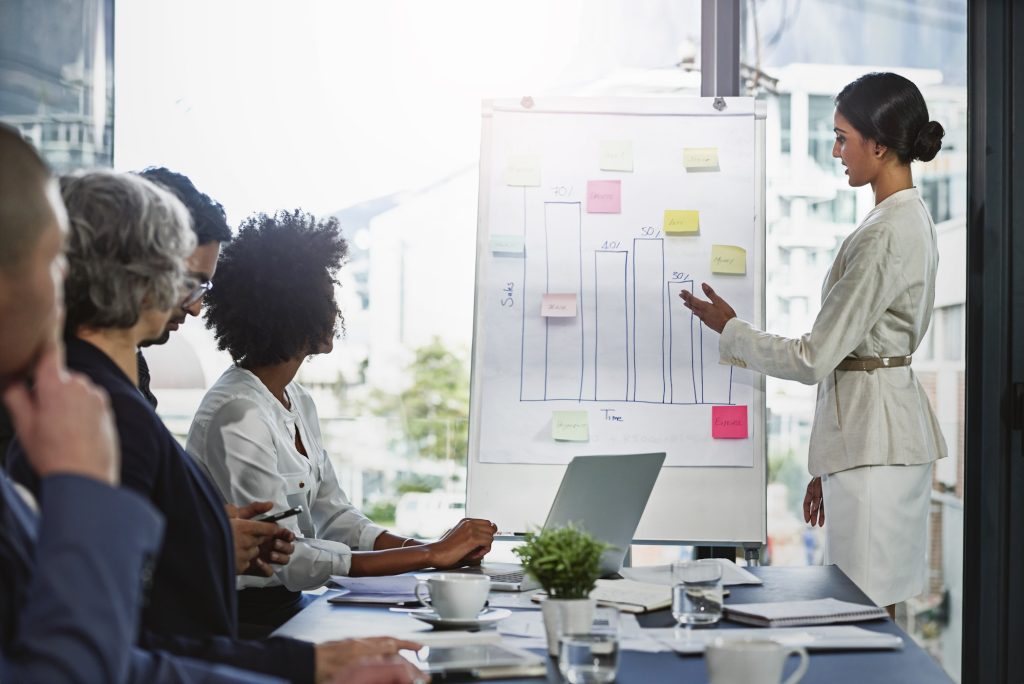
{"x":433,"y":411}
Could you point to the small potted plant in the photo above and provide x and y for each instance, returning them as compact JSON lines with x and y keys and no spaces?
{"x":566,"y":561}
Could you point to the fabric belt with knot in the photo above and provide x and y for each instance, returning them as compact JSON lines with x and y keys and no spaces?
{"x":870,"y":363}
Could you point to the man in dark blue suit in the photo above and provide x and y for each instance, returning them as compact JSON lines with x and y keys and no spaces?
{"x":73,"y":572}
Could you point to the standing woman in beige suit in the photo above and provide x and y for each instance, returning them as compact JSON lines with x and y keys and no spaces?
{"x":875,"y":436}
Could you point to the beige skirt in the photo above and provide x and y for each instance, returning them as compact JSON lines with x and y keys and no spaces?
{"x":876,"y":528}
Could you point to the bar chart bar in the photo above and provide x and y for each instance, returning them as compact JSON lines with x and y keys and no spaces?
{"x":564,"y":350}
{"x":611,"y":327}
{"x":534,"y":328}
{"x":684,"y":371}
{"x":648,"y":320}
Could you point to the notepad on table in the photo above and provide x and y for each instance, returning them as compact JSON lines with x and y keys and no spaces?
{"x":816,"y":638}
{"x":632,"y":597}
{"x":795,"y":613}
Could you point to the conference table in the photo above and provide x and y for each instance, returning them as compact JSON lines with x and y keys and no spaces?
{"x":322,"y":621}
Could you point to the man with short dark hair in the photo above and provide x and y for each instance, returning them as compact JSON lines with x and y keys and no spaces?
{"x":210,"y":224}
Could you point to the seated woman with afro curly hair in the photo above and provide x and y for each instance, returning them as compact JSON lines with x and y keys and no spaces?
{"x":257,"y":432}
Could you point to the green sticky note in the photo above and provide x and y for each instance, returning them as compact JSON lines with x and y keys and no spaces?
{"x":507,"y":244}
{"x":728,"y":259}
{"x":682,"y":222}
{"x":616,"y":155}
{"x":570,"y":426}
{"x":700,"y":158}
{"x":523,"y":170}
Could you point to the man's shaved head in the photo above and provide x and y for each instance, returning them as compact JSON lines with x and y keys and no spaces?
{"x":25,"y":210}
{"x":33,"y":224}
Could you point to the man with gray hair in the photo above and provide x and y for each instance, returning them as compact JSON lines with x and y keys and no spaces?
{"x":71,"y":587}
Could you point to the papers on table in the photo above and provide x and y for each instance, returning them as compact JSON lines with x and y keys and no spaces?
{"x":838,"y":637}
{"x":388,"y":589}
{"x":385,"y":584}
{"x":526,"y":630}
{"x":793,"y":613}
{"x":520,"y":600}
{"x":732,"y":574}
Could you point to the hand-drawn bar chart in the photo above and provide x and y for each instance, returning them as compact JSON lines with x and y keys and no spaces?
{"x":631,"y":340}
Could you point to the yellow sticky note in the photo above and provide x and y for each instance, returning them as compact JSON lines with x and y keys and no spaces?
{"x":616,"y":155}
{"x":700,"y":158}
{"x":523,"y":170}
{"x":682,"y":222}
{"x":728,"y":259}
{"x":570,"y":426}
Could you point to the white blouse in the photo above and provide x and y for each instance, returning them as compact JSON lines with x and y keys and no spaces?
{"x":245,"y":440}
{"x":876,"y":300}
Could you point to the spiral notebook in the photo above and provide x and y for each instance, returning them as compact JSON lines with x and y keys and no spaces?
{"x":796,"y":613}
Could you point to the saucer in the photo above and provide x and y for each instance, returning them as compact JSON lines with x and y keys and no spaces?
{"x":486,"y":617}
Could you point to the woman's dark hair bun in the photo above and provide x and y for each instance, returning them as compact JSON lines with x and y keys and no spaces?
{"x":928,"y":141}
{"x":890,"y":110}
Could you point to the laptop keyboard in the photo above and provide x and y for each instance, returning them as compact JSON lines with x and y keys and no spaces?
{"x":513,"y":577}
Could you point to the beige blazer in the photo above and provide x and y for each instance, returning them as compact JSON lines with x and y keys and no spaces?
{"x":877,"y":300}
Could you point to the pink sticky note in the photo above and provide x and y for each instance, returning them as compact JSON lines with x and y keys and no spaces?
{"x":558,"y":305}
{"x":604,"y":197}
{"x":729,"y":422}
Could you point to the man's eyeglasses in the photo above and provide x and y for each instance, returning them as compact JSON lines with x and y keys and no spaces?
{"x":196,"y":293}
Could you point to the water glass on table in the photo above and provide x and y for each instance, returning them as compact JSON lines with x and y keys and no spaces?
{"x":697,"y":592}
{"x":591,"y":657}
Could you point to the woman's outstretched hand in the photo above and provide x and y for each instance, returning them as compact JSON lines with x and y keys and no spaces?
{"x":714,"y":314}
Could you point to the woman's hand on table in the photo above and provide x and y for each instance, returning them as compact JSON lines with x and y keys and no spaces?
{"x":465,"y":544}
{"x":714,"y":314}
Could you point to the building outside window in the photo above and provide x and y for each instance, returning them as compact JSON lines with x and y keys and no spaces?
{"x":57,"y":79}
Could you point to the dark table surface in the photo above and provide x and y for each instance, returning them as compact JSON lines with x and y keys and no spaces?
{"x":322,"y":621}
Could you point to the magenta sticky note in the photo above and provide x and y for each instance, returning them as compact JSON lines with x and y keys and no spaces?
{"x":604,"y":197}
{"x":729,"y":422}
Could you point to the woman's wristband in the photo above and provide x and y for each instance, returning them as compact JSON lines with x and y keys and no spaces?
{"x":407,"y":540}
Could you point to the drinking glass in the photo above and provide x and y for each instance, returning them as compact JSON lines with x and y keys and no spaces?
{"x":697,"y":592}
{"x":591,"y":657}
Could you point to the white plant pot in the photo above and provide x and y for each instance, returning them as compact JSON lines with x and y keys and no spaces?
{"x":573,"y":615}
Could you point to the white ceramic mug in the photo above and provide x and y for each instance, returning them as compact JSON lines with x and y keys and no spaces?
{"x":751,"y":661}
{"x":453,"y":595}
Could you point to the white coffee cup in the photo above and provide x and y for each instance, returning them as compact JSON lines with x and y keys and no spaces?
{"x":751,"y":661}
{"x":453,"y":595}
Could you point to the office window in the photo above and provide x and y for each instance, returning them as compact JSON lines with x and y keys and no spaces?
{"x":936,"y":193}
{"x":952,"y":318}
{"x":784,"y":114}
{"x":820,"y":134}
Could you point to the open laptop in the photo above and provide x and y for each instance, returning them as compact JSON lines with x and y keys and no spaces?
{"x":604,"y":495}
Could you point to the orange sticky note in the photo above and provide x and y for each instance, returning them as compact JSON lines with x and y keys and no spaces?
{"x":558,"y":305}
{"x":729,"y":422}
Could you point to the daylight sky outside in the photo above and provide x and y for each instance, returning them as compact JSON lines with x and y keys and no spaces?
{"x":269,"y":104}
